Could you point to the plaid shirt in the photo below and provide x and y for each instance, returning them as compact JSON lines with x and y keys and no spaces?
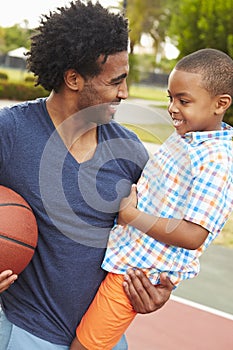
{"x":191,"y":178}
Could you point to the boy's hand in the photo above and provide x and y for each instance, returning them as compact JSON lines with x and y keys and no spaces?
{"x":143,"y":295}
{"x":126,"y":204}
{"x":6,"y":279}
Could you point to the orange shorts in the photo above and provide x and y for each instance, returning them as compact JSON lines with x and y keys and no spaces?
{"x":108,"y":316}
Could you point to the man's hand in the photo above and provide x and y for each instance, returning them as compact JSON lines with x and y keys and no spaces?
{"x":143,"y":295}
{"x":6,"y":279}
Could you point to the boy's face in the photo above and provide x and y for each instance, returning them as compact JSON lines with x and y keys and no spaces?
{"x":191,"y":107}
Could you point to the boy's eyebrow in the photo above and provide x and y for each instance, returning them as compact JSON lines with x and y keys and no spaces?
{"x":122,"y":76}
{"x":180,"y":94}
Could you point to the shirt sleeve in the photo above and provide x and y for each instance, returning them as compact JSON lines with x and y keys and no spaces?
{"x":7,"y":135}
{"x":210,"y":199}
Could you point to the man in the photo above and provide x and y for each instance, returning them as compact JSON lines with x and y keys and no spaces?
{"x":66,"y":158}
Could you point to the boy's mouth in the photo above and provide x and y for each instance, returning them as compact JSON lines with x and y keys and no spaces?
{"x":177,"y":122}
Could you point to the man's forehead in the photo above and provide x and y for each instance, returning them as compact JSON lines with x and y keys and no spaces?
{"x":117,"y":64}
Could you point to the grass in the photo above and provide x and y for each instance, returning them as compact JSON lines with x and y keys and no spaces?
{"x":149,"y":93}
{"x":155,"y":133}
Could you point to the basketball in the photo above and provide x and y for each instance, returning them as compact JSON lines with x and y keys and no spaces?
{"x":18,"y":231}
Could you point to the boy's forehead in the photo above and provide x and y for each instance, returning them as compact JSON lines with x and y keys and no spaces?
{"x":182,"y":75}
{"x":185,"y":82}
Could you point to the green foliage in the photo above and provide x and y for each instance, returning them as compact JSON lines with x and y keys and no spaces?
{"x":3,"y":76}
{"x":147,"y":16}
{"x":140,"y":66}
{"x":228,"y":118}
{"x":134,"y":75}
{"x":29,"y":79}
{"x":21,"y":91}
{"x":14,"y":37}
{"x":166,"y":65}
{"x":197,"y":24}
{"x":16,"y":75}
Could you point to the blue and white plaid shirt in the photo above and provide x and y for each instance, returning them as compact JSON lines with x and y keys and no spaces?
{"x":191,"y":178}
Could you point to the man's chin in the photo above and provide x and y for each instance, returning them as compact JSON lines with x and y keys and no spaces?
{"x":106,"y":119}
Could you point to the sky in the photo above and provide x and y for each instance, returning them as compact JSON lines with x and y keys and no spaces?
{"x":17,"y":11}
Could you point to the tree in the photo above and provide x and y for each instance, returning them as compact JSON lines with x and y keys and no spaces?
{"x":197,"y":24}
{"x":146,"y":17}
{"x":14,"y":37}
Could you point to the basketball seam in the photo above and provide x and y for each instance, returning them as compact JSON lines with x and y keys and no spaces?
{"x":15,"y":205}
{"x":18,"y":242}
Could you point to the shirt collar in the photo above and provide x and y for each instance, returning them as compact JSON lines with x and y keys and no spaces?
{"x":226,"y":133}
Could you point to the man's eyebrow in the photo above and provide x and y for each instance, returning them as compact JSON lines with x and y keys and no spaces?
{"x":120,"y":77}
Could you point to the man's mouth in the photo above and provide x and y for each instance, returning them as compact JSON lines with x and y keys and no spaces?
{"x":113,"y":107}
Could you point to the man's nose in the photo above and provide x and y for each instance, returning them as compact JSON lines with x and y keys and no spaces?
{"x":123,"y":91}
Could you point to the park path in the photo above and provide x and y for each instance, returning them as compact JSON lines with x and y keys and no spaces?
{"x":179,"y":326}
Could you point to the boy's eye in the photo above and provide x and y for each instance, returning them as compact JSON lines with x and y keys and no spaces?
{"x":183,"y":102}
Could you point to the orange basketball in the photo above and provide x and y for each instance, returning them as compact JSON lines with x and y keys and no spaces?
{"x":18,"y":231}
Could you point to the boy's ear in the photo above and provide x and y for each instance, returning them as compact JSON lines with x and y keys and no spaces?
{"x":223,"y":103}
{"x":73,"y":80}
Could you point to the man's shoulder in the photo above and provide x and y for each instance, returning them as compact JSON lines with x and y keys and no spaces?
{"x":21,"y":107}
{"x":114,"y":129}
{"x":124,"y":142}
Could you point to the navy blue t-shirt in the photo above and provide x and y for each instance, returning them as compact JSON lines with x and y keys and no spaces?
{"x":75,"y":207}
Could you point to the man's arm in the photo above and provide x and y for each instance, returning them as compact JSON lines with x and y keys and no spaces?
{"x":168,"y":231}
{"x":6,"y":279}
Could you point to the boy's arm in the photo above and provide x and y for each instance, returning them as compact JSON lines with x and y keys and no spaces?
{"x":168,"y":231}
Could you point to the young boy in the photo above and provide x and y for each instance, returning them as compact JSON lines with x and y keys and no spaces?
{"x":183,"y":199}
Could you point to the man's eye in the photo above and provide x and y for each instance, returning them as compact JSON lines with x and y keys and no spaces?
{"x":117,"y":83}
{"x":170,"y":98}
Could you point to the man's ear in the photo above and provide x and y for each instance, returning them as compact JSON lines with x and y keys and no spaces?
{"x":73,"y":80}
{"x":223,"y":102}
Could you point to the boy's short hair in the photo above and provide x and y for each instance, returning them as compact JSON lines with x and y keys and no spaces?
{"x":215,"y":66}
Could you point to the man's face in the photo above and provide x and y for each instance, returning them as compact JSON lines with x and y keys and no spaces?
{"x":106,"y":90}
